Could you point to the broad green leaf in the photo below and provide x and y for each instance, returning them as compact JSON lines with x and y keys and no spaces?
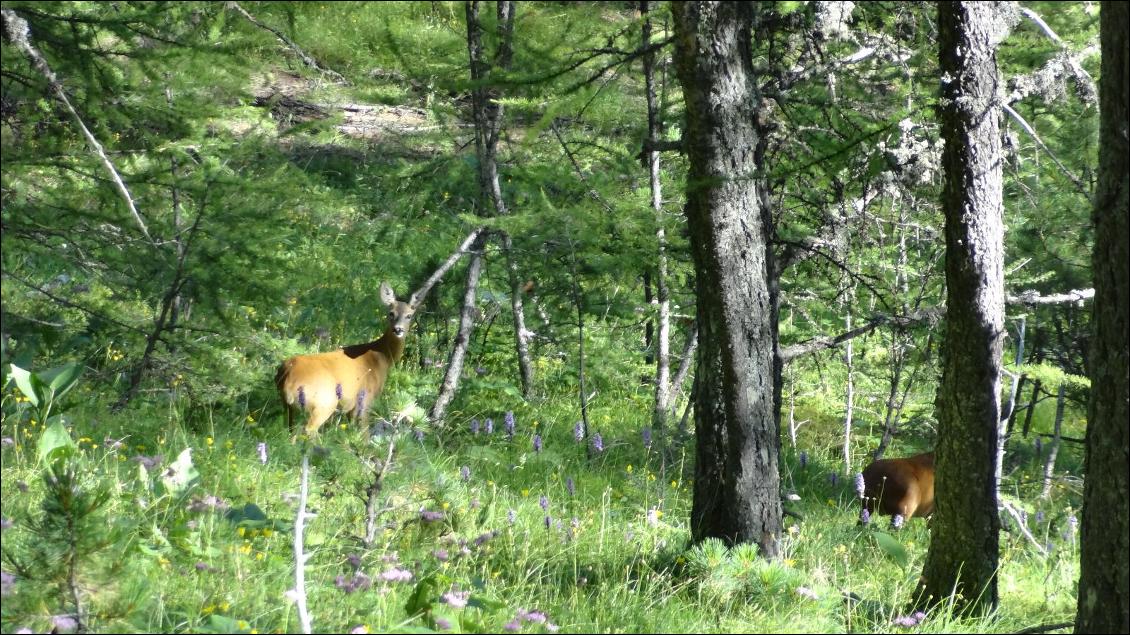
{"x":892,"y":547}
{"x":61,"y":379}
{"x":26,"y":382}
{"x":422,"y":596}
{"x":55,"y":442}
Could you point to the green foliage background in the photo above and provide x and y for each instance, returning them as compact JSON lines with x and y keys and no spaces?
{"x":297,"y":223}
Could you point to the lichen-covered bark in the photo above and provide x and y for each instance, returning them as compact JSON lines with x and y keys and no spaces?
{"x":1104,"y":580}
{"x":964,"y":543}
{"x":736,"y":493}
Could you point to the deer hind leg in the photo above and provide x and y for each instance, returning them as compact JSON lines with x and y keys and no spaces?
{"x":318,"y":415}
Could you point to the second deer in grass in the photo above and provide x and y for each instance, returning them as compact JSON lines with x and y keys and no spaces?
{"x":900,"y":486}
{"x":349,"y":378}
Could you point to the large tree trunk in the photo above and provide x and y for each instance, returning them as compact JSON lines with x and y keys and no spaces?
{"x":1104,"y":580}
{"x":736,"y":493}
{"x":964,"y":542}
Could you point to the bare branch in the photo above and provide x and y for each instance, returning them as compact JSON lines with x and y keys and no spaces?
{"x":463,"y":248}
{"x":20,"y":35}
{"x":1032,"y":297}
{"x":1040,"y":142}
{"x":931,"y":314}
{"x":303,"y":55}
{"x":1019,"y":518}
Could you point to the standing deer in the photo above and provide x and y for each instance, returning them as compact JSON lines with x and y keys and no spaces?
{"x":900,"y":486}
{"x":349,"y":378}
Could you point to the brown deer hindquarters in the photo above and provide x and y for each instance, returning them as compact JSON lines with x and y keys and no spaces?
{"x":900,"y":486}
{"x":348,"y":378}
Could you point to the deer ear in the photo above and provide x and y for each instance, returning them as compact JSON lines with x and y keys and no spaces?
{"x":387,"y":295}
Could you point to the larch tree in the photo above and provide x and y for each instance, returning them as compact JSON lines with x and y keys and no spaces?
{"x":1104,"y":580}
{"x":964,"y":542}
{"x":736,"y":491}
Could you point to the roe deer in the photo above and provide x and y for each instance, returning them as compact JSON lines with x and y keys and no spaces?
{"x":349,"y":378}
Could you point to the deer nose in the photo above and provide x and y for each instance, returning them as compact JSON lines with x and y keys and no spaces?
{"x":399,"y":331}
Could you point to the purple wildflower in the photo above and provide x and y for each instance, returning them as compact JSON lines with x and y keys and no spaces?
{"x":1072,"y":526}
{"x":484,"y":538}
{"x":354,"y":561}
{"x":646,"y":433}
{"x":361,"y":405}
{"x":904,"y":620}
{"x":474,"y":426}
{"x":544,"y":502}
{"x":419,"y":435}
{"x":536,"y":617}
{"x":396,"y":574}
{"x":490,"y":426}
{"x":442,"y":624}
{"x":537,"y":443}
{"x":64,"y":624}
{"x":441,"y":555}
{"x":208,"y":503}
{"x":511,"y":516}
{"x":597,"y":442}
{"x":357,"y":582}
{"x":548,"y":523}
{"x":7,"y":441}
{"x":202,"y":566}
{"x":358,"y":630}
{"x":457,"y":599}
{"x":897,"y":521}
{"x":864,"y":516}
{"x":1039,"y":517}
{"x":150,"y":463}
{"x":6,"y":523}
{"x":860,"y":484}
{"x":262,"y":448}
{"x":465,"y":473}
{"x":570,"y":486}
{"x":803,"y":459}
{"x":579,"y":431}
{"x":509,"y":422}
{"x":920,"y":616}
{"x":430,"y":516}
{"x":513,"y":626}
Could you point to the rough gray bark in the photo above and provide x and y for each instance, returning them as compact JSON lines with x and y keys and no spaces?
{"x":737,"y":490}
{"x":663,"y":388}
{"x":1104,"y":579}
{"x":964,"y":544}
{"x":462,"y":338}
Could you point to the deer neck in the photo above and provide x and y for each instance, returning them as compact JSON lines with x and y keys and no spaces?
{"x":390,"y":345}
